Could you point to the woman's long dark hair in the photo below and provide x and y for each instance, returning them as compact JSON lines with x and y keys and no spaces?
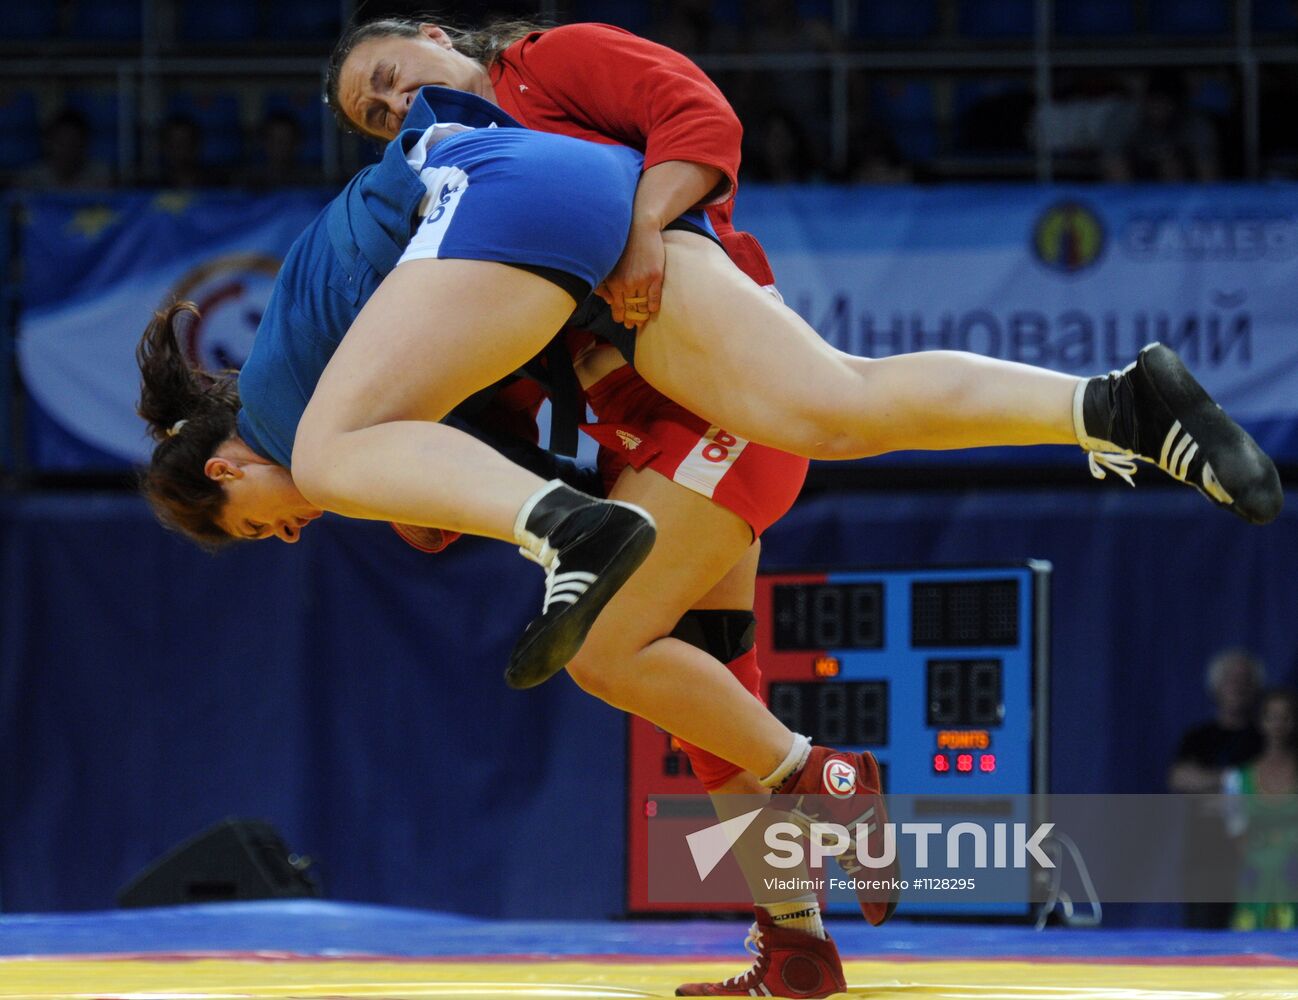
{"x":483,"y":44}
{"x":190,"y":412}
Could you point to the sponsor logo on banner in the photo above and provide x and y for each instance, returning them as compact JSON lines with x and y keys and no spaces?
{"x":1210,"y":238}
{"x":230,"y":292}
{"x":1068,"y":237}
{"x":117,"y":259}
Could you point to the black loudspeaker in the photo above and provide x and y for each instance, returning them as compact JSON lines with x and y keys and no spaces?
{"x":236,"y":859}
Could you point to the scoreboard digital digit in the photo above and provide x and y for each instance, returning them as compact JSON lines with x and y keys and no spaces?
{"x":941,"y":673}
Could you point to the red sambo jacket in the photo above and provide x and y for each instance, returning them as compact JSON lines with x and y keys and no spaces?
{"x":598,"y":82}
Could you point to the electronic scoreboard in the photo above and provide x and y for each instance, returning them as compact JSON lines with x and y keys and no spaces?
{"x":941,"y":673}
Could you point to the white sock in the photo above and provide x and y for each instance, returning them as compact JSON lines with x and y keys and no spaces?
{"x":524,"y":537}
{"x":1079,"y":422}
{"x":798,"y":915}
{"x":796,"y":757}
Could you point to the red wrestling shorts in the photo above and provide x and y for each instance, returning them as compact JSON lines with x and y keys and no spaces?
{"x":640,"y":427}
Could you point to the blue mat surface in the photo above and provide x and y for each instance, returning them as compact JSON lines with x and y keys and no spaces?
{"x":313,"y":927}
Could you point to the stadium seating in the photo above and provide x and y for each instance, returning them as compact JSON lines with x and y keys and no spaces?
{"x":1275,"y":15}
{"x":310,"y":19}
{"x":28,"y":21}
{"x":1094,"y":18}
{"x":1215,"y":96}
{"x":306,"y":109}
{"x":630,"y":14}
{"x":896,"y":19}
{"x":1189,"y":17}
{"x":20,"y":128}
{"x":908,"y":108}
{"x":991,"y":115}
{"x":100,"y":107}
{"x":996,"y":18}
{"x":106,"y":20}
{"x":218,"y":115}
{"x":202,"y":21}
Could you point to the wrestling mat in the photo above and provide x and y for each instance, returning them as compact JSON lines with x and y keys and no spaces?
{"x":328,"y":950}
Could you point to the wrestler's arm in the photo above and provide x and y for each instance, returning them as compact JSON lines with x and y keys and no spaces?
{"x":652,"y":98}
{"x":666,"y":191}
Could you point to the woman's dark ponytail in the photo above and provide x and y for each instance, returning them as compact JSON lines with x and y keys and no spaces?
{"x":190,"y":412}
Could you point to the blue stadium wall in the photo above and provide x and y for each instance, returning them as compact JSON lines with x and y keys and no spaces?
{"x":349,"y":688}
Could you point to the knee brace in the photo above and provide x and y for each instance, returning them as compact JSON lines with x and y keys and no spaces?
{"x":724,"y":635}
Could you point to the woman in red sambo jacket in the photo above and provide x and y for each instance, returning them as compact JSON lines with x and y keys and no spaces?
{"x":603,"y":84}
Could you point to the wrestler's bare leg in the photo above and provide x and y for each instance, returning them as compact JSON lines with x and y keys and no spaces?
{"x":730,"y":352}
{"x":629,"y":659}
{"x":369,"y":444}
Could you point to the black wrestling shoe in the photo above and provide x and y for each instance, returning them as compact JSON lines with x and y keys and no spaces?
{"x":589,"y":548}
{"x":1154,"y":410}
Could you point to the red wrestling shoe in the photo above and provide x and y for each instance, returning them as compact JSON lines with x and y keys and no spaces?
{"x":788,"y":964}
{"x":846,"y":789}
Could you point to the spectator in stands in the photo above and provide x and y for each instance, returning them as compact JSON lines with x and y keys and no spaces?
{"x":1269,"y":864}
{"x":1279,"y":140}
{"x":745,"y":89}
{"x":1088,"y":122}
{"x":1164,"y":138}
{"x":1207,"y":752}
{"x":777,"y":26}
{"x":65,"y":156}
{"x":181,"y":146}
{"x":1232,"y":738}
{"x":280,"y":162}
{"x":874,"y":156}
{"x":778,"y":150}
{"x":996,"y":122}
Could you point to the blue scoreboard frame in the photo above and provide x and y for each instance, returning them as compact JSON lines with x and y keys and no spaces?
{"x":941,"y":672}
